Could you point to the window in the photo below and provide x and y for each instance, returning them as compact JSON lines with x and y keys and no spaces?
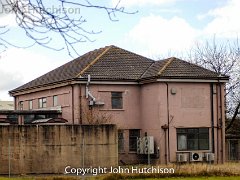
{"x":21,"y":105}
{"x":117,"y":100}
{"x":120,"y":141}
{"x":55,"y":100}
{"x":42,"y":102}
{"x":13,"y":119}
{"x":134,"y":134}
{"x":30,"y":104}
{"x":28,"y":118}
{"x":192,"y":139}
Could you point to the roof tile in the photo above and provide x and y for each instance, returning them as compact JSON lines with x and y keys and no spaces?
{"x":113,"y":63}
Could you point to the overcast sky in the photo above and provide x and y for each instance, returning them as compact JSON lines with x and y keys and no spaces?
{"x":160,"y":27}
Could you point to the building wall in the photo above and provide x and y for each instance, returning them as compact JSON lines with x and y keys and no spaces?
{"x":49,"y":149}
{"x":126,"y":118}
{"x":149,"y":107}
{"x":64,"y":100}
{"x":181,"y":105}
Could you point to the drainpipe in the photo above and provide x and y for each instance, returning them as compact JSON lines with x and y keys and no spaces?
{"x":212,"y":118}
{"x":15,"y":102}
{"x":217,"y":99}
{"x":168,"y":124}
{"x":221,"y":115}
{"x":165,"y":127}
{"x":80,"y":99}
{"x":72,"y":105}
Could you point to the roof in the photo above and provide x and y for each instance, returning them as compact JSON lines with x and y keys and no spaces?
{"x":115,"y":64}
{"x":177,"y":68}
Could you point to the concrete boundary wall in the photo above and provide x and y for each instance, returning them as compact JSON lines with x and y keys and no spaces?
{"x":50,"y":148}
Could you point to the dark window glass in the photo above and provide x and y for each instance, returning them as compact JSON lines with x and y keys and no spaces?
{"x":40,"y":116}
{"x":134,"y":134}
{"x":28,"y":118}
{"x":13,"y":119}
{"x":117,"y":100}
{"x":120,"y":141}
{"x":192,"y":139}
{"x":42,"y":102}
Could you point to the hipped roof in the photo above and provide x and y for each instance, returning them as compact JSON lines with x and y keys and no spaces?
{"x":112,"y":63}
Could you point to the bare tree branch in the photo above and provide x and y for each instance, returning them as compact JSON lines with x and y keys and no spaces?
{"x":41,"y":19}
{"x":223,"y":58}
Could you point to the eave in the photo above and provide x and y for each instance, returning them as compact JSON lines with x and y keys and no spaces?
{"x":119,"y":82}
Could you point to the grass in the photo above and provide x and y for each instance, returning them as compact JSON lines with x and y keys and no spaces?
{"x":228,"y":171}
{"x":199,"y":178}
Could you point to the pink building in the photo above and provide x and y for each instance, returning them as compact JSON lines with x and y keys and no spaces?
{"x":180,"y":105}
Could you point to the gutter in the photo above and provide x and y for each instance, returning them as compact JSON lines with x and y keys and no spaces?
{"x":112,"y":81}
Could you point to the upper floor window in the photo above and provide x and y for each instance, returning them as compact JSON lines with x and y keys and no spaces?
{"x":42,"y":102}
{"x":134,"y":134}
{"x":30,"y":104}
{"x":21,"y":105}
{"x":192,"y":139}
{"x":55,"y":100}
{"x":117,"y":102}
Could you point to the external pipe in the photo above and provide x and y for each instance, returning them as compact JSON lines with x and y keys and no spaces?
{"x":80,"y":99}
{"x":168,"y":124}
{"x":165,"y":127}
{"x":212,"y":118}
{"x":217,"y":89}
{"x":72,"y":105}
{"x":221,"y":119}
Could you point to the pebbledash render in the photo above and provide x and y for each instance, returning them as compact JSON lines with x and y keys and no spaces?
{"x":179,"y":104}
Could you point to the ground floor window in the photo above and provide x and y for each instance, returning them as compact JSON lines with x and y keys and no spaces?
{"x":134,"y":134}
{"x":192,"y":139}
{"x":120,"y":141}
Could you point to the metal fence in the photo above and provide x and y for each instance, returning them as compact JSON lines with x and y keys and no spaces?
{"x":233,"y":150}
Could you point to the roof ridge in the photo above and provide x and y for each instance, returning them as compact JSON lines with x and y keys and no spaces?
{"x":94,"y":61}
{"x":166,"y":65}
{"x":147,"y":69}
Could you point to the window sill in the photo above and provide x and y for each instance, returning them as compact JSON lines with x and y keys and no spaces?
{"x":111,"y":109}
{"x":188,"y":151}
